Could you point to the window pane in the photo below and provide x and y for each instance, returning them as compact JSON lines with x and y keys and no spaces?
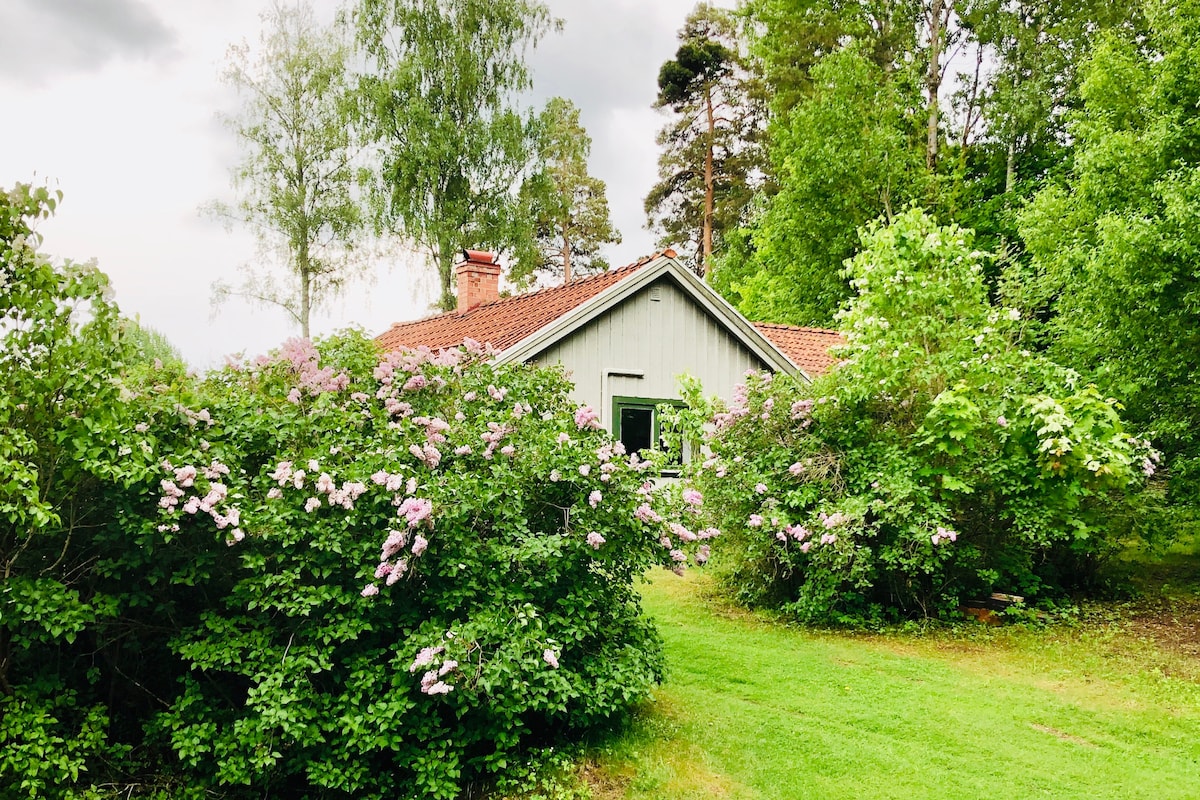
{"x":637,"y":425}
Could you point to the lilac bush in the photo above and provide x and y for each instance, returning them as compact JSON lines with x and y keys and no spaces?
{"x":324,"y":572}
{"x":936,"y":463}
{"x":414,"y":566}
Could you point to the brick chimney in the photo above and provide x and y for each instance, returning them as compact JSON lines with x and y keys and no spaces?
{"x":478,"y":280}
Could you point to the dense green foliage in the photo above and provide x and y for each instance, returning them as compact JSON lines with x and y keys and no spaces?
{"x":960,"y":106}
{"x":1114,"y":246}
{"x":58,"y":408}
{"x":437,"y":101}
{"x":841,"y":159}
{"x":329,"y":572}
{"x":938,"y":462}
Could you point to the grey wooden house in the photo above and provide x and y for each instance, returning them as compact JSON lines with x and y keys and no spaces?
{"x":624,"y":336}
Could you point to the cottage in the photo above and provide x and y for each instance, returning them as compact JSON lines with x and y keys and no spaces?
{"x":624,"y":336}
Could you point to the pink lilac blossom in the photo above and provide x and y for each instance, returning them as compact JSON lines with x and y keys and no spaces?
{"x":702,"y":554}
{"x":564,"y":438}
{"x":1002,"y":421}
{"x":797,"y":468}
{"x":693,"y":497}
{"x":682,"y":532}
{"x":585,"y":469}
{"x":370,"y":590}
{"x":420,"y":543}
{"x":393,"y":543}
{"x":806,"y":546}
{"x":595,"y":540}
{"x":586,"y":417}
{"x":755,"y":521}
{"x":647,"y":514}
{"x":415,"y":510}
{"x":425,"y":657}
{"x":555,"y":476}
{"x":508,"y":450}
{"x":760,"y":488}
{"x":312,"y":504}
{"x":594,"y":498}
{"x":282,"y":473}
{"x":708,"y":533}
{"x":832,"y":520}
{"x":828,"y":538}
{"x":185,"y":475}
{"x":943,"y":535}
{"x":678,"y":556}
{"x":215,"y":470}
{"x":550,"y":657}
{"x":496,"y":394}
{"x":462,"y":450}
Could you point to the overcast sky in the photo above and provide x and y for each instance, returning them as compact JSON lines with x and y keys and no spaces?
{"x":114,"y":102}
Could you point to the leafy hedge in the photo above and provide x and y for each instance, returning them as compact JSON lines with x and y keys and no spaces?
{"x":937,"y":463}
{"x":328,"y":572}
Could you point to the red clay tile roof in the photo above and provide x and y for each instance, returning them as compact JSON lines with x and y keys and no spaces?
{"x":808,"y":348}
{"x":504,"y":322}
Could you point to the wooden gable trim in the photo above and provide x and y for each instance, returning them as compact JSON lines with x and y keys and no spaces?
{"x":703,"y":295}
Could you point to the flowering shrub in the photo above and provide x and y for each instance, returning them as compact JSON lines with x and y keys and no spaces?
{"x":414,"y":566}
{"x":324,"y":571}
{"x":936,"y":463}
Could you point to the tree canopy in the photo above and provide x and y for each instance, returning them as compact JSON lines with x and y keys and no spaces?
{"x":436,"y":99}
{"x":567,"y":205}
{"x":710,"y":159}
{"x":297,"y":178}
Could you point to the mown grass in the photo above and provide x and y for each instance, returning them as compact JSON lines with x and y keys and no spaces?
{"x":757,"y":709}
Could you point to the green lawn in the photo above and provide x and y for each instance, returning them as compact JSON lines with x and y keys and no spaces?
{"x":754,"y":709}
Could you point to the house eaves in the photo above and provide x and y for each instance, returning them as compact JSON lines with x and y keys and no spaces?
{"x":664,"y":266}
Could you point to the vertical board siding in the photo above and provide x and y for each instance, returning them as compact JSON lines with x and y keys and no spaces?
{"x":661,"y":339}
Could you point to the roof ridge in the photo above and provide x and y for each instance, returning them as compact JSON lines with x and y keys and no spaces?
{"x":785,"y":326}
{"x":542,"y":292}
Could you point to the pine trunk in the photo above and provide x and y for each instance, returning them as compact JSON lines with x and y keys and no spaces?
{"x":709,"y":191}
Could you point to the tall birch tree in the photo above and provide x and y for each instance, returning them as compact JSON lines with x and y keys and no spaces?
{"x":437,"y":100}
{"x":296,"y":181}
